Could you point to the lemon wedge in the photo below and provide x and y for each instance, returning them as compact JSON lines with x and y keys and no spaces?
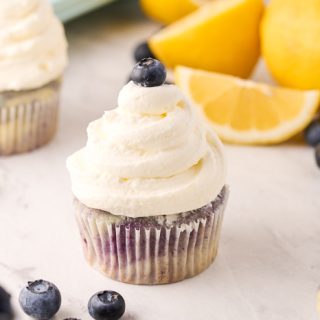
{"x":221,"y":36}
{"x":168,"y":11}
{"x":247,"y":112}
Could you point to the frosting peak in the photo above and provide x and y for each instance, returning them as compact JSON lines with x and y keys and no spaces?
{"x":150,"y":156}
{"x":32,"y":44}
{"x":149,"y":100}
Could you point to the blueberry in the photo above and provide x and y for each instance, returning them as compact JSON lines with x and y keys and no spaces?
{"x":149,"y":72}
{"x":106,"y":305}
{"x":317,"y":154}
{"x":5,"y":305}
{"x":40,"y":299}
{"x":142,"y":51}
{"x":312,"y":133}
{"x":166,"y":82}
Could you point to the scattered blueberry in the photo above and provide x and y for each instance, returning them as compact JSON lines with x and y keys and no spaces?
{"x":317,"y":154}
{"x":6,"y":312}
{"x":40,"y":299}
{"x":312,"y":133}
{"x":149,"y":72}
{"x":142,"y":51}
{"x":106,"y":305}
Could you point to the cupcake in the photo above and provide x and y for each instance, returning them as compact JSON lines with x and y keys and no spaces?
{"x":149,"y":186}
{"x":33,"y":55}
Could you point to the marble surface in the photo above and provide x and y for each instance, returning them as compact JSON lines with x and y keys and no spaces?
{"x":268,"y":267}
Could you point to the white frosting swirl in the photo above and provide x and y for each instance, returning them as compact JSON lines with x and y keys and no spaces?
{"x":150,"y":156}
{"x":33,"y":48}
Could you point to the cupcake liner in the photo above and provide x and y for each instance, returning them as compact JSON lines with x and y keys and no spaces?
{"x":28,"y":119}
{"x":153,"y":250}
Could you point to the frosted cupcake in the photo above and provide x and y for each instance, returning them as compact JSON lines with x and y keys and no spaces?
{"x":33,"y":55}
{"x":150,"y":185}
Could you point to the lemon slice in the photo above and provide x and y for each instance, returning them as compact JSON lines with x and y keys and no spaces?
{"x":221,"y":36}
{"x":246,"y":112}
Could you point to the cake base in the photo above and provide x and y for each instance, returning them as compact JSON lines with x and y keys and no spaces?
{"x":28,"y":118}
{"x":151,"y":250}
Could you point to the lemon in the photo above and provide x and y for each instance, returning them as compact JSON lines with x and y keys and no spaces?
{"x":318,"y":301}
{"x":167,"y":11}
{"x":246,"y":112}
{"x":290,"y":32}
{"x":221,"y":36}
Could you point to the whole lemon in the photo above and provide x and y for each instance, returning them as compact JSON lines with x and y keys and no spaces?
{"x":290,"y":37}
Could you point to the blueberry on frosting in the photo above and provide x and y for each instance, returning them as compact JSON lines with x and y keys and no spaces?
{"x":149,"y":72}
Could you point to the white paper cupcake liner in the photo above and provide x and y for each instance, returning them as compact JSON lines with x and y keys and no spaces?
{"x":157,"y":251}
{"x":28,"y":119}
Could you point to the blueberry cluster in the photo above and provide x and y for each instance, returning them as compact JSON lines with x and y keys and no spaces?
{"x":312,"y":137}
{"x":41,"y":300}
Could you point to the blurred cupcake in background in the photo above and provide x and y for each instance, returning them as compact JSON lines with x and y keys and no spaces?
{"x":149,"y":185}
{"x":33,"y":55}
